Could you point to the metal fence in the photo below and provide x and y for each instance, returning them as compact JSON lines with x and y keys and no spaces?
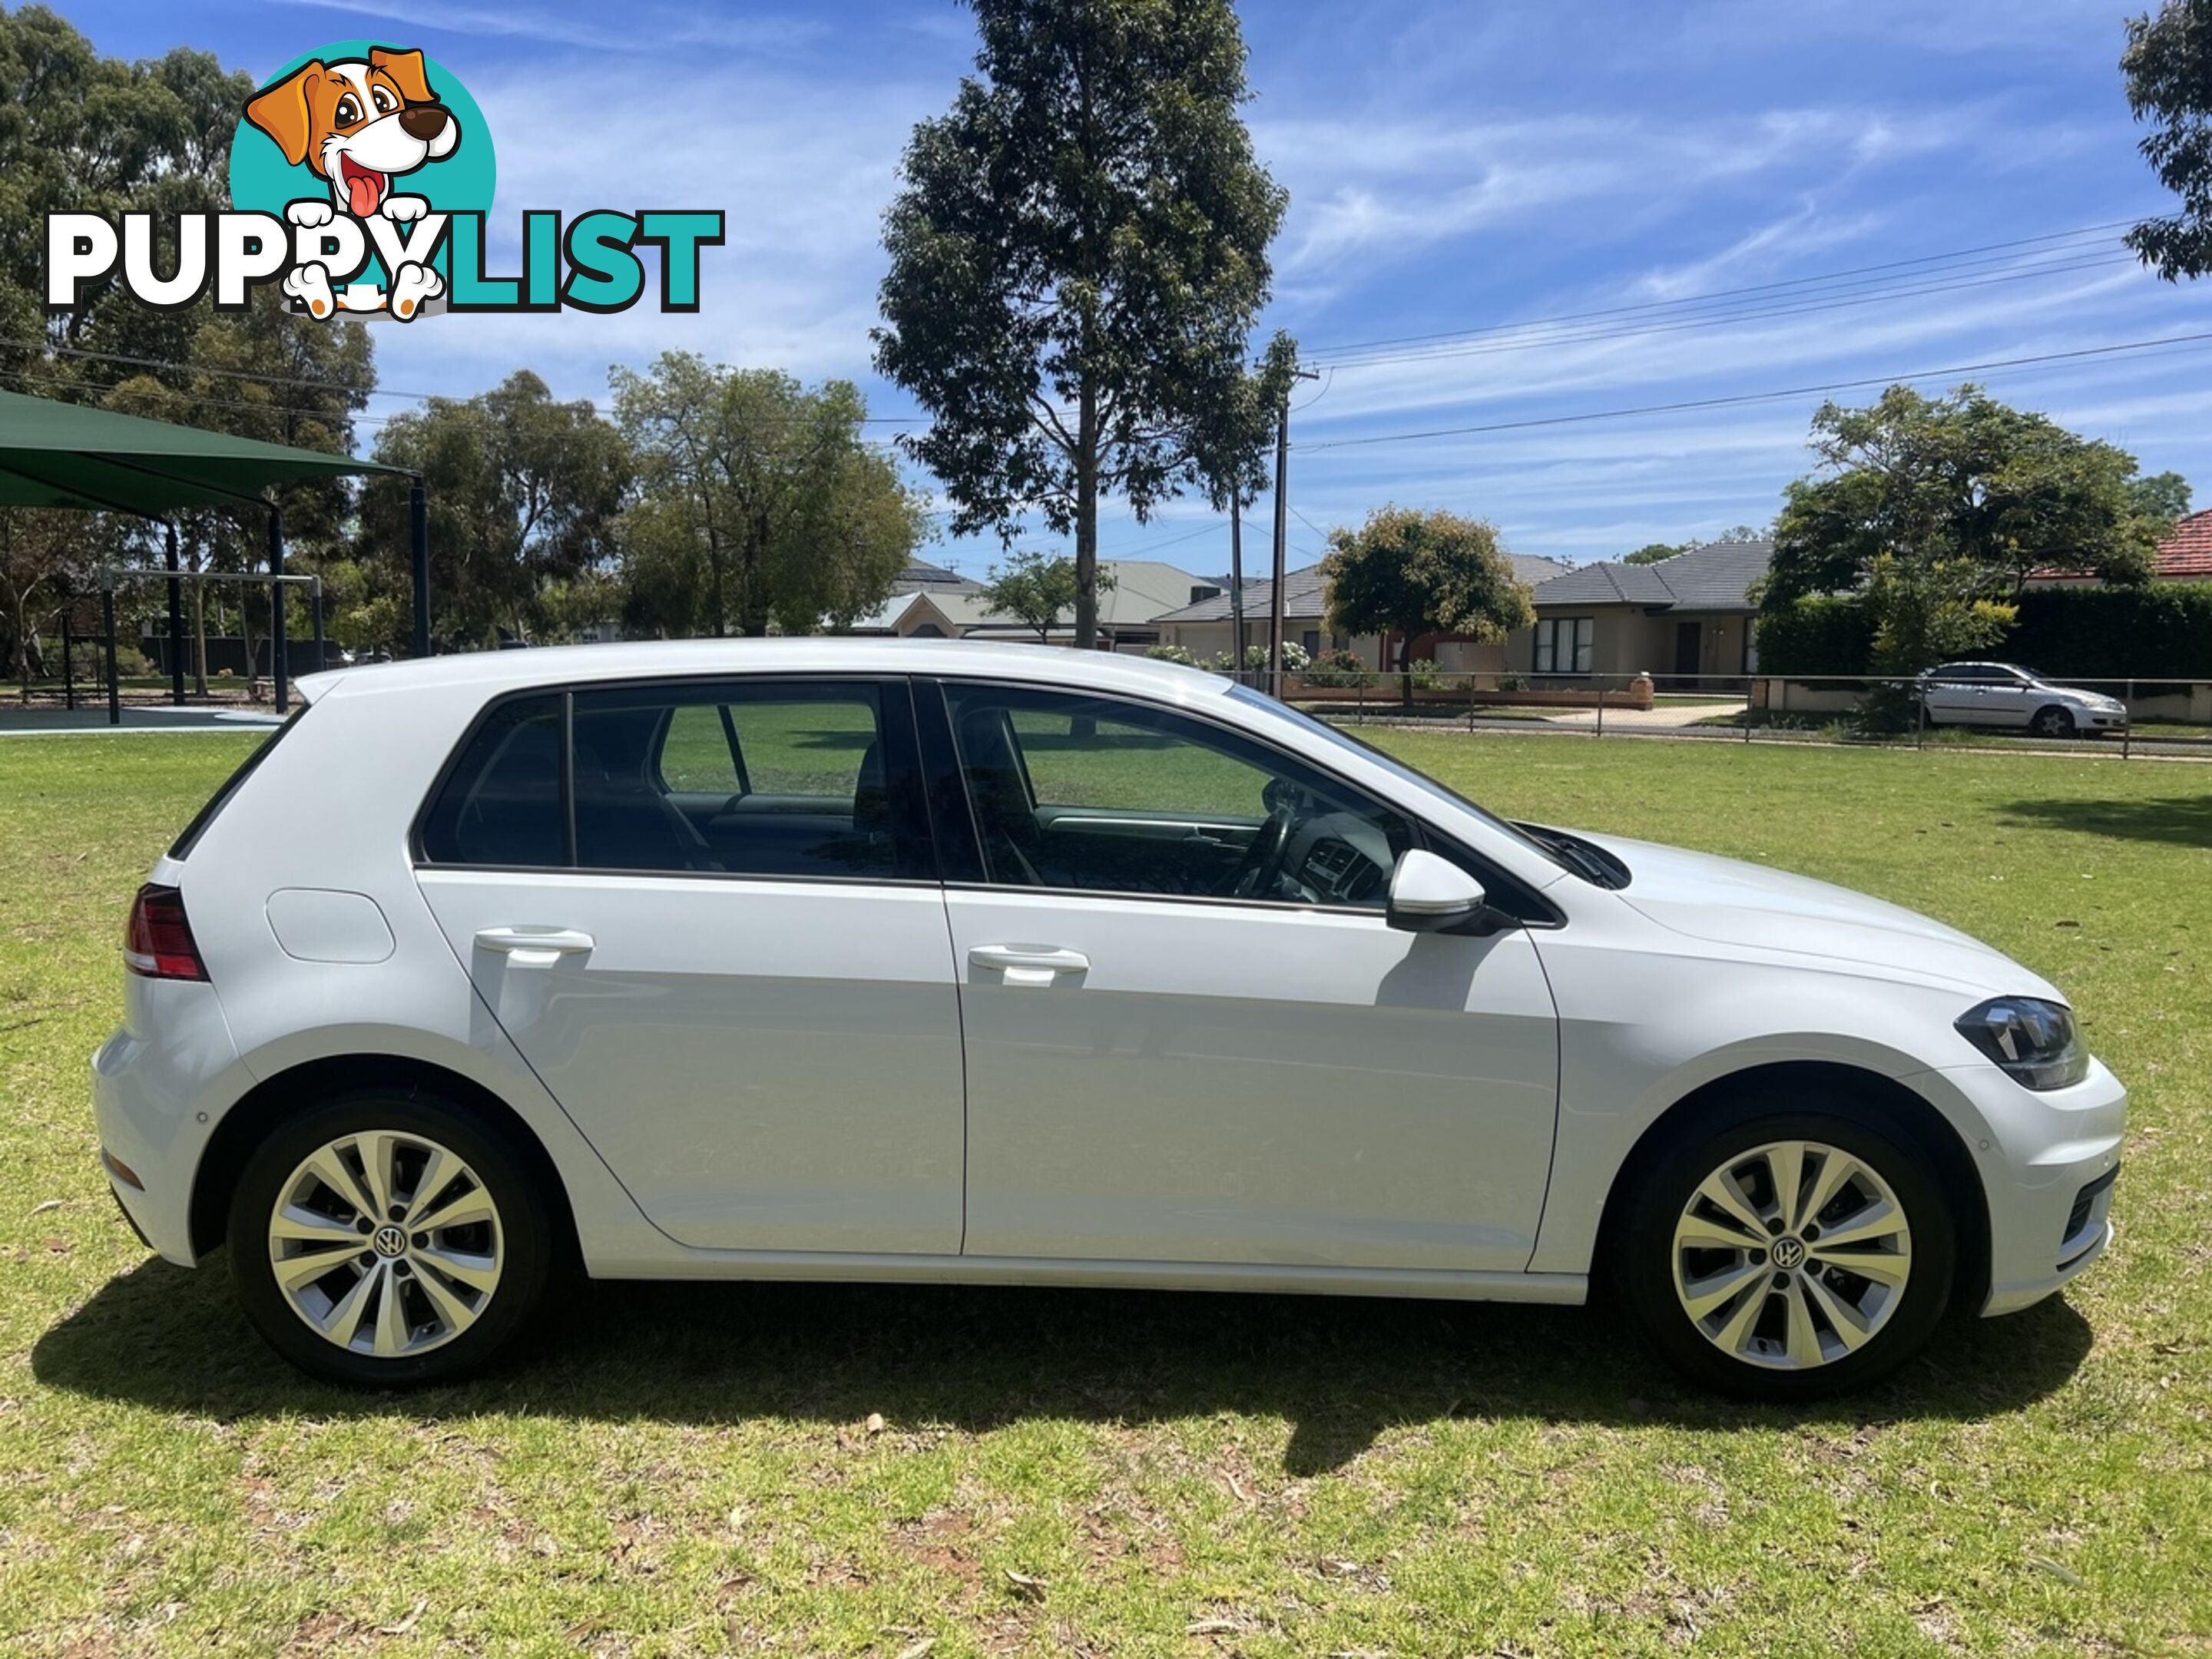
{"x":2159,"y":717}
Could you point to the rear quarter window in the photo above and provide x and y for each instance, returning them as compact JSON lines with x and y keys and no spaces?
{"x":500,"y":802}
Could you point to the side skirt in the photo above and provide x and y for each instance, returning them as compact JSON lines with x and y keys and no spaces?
{"x":828,"y":1267}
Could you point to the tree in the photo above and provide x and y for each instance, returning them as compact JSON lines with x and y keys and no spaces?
{"x":1413,"y":574}
{"x":2163,"y":495}
{"x":81,"y":131}
{"x":759,"y":504}
{"x":1078,"y":251}
{"x":2168,"y":65}
{"x":1940,"y":509}
{"x":1962,"y":477}
{"x":1656,"y":552}
{"x":1035,"y":590}
{"x":524,"y":492}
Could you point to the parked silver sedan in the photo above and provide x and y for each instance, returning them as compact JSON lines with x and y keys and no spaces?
{"x":2006,"y":695}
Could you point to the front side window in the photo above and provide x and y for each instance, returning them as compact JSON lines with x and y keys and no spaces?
{"x":1097,"y":795}
{"x":1564,"y":644}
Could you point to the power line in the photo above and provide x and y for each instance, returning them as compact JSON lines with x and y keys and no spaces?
{"x":1760,"y":397}
{"x":1749,"y":313}
{"x":1356,"y":346}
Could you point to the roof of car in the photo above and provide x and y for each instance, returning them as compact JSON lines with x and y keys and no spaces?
{"x":487,"y":671}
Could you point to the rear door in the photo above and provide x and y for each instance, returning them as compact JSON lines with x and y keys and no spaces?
{"x":708,"y":914}
{"x":1952,"y":693}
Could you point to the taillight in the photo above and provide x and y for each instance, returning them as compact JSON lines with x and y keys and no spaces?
{"x":159,"y":941}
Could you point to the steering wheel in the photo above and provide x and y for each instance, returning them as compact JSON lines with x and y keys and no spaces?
{"x":1256,"y":873}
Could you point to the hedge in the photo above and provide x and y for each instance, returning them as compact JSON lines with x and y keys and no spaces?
{"x":2163,"y":631}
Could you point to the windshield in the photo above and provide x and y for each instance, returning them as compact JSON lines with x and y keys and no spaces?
{"x":1397,"y":768}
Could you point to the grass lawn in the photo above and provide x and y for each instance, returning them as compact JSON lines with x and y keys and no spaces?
{"x":894,"y":1472}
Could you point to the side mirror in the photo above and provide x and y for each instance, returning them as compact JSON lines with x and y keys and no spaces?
{"x":1430,"y":896}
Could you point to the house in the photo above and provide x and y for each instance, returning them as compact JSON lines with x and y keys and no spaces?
{"x":956,"y":609}
{"x":1203,"y":627}
{"x":1688,"y":616}
{"x":2185,"y":556}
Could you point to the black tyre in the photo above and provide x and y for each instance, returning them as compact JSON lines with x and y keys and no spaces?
{"x":2052,"y":722}
{"x":389,"y":1239}
{"x":1771,"y":1296}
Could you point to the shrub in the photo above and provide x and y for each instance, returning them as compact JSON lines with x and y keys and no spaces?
{"x":1295,"y":659}
{"x":1337,"y":668}
{"x":1816,"y":636}
{"x":1425,"y":676}
{"x":2163,"y":631}
{"x":1172,"y":653}
{"x":1511,"y":680}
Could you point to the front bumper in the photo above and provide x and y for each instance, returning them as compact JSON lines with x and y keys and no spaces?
{"x":2049,"y":1162}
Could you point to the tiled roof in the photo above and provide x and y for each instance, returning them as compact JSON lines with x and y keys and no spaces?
{"x":1717,"y":576}
{"x":1302,"y":595}
{"x":2187,"y":553}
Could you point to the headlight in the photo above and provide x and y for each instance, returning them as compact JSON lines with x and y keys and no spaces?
{"x":2032,"y":1040}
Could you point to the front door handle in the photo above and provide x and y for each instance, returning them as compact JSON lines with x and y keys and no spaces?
{"x":534,"y":947}
{"x":1029,"y":964}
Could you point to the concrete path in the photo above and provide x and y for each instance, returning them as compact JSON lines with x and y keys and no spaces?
{"x":1665,"y":717}
{"x":20,"y":722}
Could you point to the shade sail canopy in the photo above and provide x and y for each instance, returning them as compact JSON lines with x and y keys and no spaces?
{"x":54,"y":454}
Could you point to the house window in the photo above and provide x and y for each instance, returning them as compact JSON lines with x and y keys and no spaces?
{"x":1312,"y":641}
{"x":1563,"y":643}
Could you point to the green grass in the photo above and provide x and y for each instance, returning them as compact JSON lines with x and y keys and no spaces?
{"x":700,"y":1469}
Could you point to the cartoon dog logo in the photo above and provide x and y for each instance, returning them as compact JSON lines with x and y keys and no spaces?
{"x":359,"y":122}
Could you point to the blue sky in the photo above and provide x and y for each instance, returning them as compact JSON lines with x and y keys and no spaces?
{"x":1452,"y":168}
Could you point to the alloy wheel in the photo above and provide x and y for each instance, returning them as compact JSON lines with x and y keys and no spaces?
{"x":1792,"y":1256}
{"x":386,"y":1243}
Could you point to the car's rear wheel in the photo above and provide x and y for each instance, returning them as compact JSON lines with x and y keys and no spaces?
{"x":2052,"y":722}
{"x":389,"y":1240}
{"x":1791,"y":1255}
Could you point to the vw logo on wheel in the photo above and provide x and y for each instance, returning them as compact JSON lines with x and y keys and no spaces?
{"x":1787,"y":1253}
{"x":390,"y":1242}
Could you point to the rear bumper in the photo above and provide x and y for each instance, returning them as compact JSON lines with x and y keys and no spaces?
{"x":150,"y":1101}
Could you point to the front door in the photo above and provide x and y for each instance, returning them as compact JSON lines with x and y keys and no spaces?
{"x":1688,"y":639}
{"x":733,"y":970}
{"x":1191,"y":1037}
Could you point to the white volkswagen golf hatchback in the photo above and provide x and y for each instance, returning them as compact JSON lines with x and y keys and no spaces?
{"x":839,"y":960}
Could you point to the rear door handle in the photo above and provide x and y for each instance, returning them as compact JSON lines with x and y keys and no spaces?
{"x":1029,"y":964}
{"x":534,"y":947}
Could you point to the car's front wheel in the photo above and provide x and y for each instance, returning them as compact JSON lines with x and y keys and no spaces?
{"x":2052,"y":722}
{"x":1792,"y":1256}
{"x":389,"y":1239}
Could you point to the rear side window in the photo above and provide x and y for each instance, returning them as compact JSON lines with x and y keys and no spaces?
{"x":221,"y":798}
{"x":793,"y":779}
{"x":804,"y":779}
{"x":501,"y":802}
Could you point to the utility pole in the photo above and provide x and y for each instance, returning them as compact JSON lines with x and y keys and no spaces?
{"x":1282,"y":533}
{"x":1236,"y":586}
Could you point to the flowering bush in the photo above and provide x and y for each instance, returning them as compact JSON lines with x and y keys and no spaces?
{"x":1172,"y":653}
{"x":1337,"y":668}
